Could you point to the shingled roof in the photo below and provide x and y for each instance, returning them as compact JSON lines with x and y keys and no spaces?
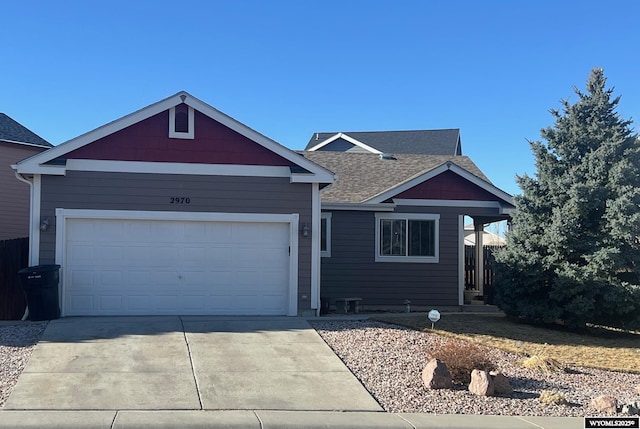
{"x":13,"y":132}
{"x":362,"y":176}
{"x":426,"y":142}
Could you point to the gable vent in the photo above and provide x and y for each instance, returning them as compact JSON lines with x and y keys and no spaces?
{"x":388,"y":156}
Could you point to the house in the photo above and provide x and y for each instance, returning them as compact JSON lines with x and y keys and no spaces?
{"x":178,"y":209}
{"x":16,"y":143}
{"x":393,"y":221}
{"x":488,"y":238}
{"x":426,"y":142}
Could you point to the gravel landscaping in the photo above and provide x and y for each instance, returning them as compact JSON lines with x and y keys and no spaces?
{"x":388,"y":360}
{"x":17,"y":341}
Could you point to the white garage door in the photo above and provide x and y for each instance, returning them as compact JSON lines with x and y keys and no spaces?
{"x":144,"y":267}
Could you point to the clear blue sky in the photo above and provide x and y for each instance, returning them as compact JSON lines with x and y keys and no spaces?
{"x":290,"y":68}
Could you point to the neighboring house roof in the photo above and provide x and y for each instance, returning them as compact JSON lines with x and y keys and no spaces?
{"x":488,"y":238}
{"x":426,"y":142}
{"x":54,"y":161}
{"x":13,"y":132}
{"x":369,"y":178}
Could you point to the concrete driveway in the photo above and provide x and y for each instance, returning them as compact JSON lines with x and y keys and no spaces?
{"x":186,"y":363}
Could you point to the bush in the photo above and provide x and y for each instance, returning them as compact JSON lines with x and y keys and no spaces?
{"x":544,"y":364}
{"x":461,"y":358}
{"x":552,"y":397}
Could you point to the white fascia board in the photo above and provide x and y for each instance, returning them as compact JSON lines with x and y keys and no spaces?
{"x":161,"y":106}
{"x":447,"y":203}
{"x":383,"y":207}
{"x":53,"y":170}
{"x":436,"y":171}
{"x":325,"y":142}
{"x":177,"y":168}
{"x":103,"y":131}
{"x":312,"y":178}
{"x":255,"y":136}
{"x":347,"y":138}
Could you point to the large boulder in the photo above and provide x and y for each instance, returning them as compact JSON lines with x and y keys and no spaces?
{"x":501,"y":384}
{"x":481,"y":383}
{"x":605,"y":404}
{"x":436,"y":375}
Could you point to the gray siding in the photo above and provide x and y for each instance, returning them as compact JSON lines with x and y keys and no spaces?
{"x":152,"y":192}
{"x":14,"y":215}
{"x":352,"y":271}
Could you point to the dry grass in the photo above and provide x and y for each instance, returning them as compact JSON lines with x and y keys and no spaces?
{"x":599,"y":348}
{"x":552,"y":397}
{"x":544,"y":364}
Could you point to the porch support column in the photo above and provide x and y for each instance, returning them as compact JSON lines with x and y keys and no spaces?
{"x":478,"y":228}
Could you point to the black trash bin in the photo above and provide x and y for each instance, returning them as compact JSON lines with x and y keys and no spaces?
{"x":40,"y":284}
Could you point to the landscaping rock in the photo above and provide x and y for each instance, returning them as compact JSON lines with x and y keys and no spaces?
{"x":605,"y":404}
{"x":501,"y":384}
{"x":630,"y":409}
{"x":481,"y":383}
{"x":436,"y":375}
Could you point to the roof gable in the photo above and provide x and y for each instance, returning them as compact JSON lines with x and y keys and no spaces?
{"x":365,"y":178}
{"x":149,"y":141}
{"x":444,"y":142}
{"x":143,"y":137}
{"x":447,"y":185}
{"x":13,"y":132}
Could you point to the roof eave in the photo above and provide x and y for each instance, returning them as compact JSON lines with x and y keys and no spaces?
{"x":35,"y":162}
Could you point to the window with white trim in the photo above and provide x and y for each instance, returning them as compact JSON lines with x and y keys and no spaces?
{"x":407,"y":237}
{"x":325,"y":234}
{"x":181,"y":122}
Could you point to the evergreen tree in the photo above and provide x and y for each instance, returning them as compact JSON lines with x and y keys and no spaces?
{"x":573,"y":253}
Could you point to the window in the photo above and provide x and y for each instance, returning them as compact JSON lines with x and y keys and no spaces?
{"x":407,"y":237}
{"x":325,"y":234}
{"x":181,"y":122}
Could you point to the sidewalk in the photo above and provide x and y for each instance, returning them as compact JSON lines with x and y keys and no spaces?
{"x":272,"y":420}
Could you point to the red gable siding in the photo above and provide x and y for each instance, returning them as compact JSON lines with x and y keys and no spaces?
{"x":148,"y":140}
{"x":447,"y":186}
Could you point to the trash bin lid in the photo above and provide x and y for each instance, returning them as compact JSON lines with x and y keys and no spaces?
{"x":40,"y":269}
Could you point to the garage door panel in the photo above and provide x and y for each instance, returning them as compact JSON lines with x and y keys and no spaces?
{"x":175,"y":267}
{"x":193,"y":257}
{"x":81,"y":254}
{"x":110,"y":303}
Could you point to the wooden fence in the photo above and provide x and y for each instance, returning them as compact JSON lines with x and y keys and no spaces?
{"x":14,"y":256}
{"x":489,"y":270}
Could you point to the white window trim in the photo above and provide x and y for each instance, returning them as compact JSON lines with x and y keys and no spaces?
{"x":326,"y":253}
{"x":408,"y":216}
{"x":172,"y":125}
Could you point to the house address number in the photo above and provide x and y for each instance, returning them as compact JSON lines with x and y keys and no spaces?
{"x":179,"y":200}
